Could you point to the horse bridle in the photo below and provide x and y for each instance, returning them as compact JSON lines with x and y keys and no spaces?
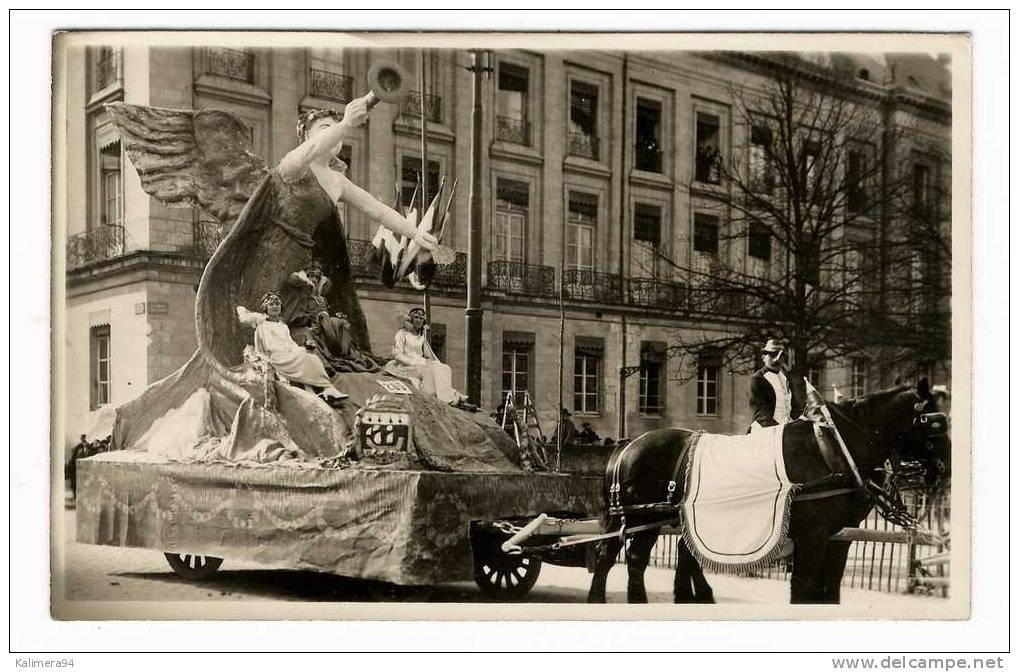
{"x":899,"y":474}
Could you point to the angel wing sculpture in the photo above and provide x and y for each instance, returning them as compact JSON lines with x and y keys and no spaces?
{"x":276,"y":222}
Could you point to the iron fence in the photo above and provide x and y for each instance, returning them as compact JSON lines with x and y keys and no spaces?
{"x":587,"y":285}
{"x":105,"y":241}
{"x":331,"y":85}
{"x":874,"y":565}
{"x":516,"y":276}
{"x":512,"y":129}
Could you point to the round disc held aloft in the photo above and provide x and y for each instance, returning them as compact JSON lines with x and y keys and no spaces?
{"x":388,"y":81}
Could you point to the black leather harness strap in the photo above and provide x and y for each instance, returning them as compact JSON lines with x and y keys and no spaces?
{"x":677,"y":471}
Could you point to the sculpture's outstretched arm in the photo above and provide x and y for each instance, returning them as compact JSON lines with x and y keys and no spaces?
{"x":324,"y":144}
{"x":375,"y":209}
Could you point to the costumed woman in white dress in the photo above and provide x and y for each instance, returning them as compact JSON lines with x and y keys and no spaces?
{"x":288,"y":359}
{"x":413,"y":358}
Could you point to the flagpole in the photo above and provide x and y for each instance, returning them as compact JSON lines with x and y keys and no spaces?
{"x":423,"y":85}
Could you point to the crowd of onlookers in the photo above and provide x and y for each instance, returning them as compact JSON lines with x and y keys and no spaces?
{"x":83,"y":449}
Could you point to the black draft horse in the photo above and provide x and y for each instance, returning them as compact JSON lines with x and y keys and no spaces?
{"x":887,"y":425}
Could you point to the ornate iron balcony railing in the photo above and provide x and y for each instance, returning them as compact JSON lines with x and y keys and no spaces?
{"x":511,"y":129}
{"x":331,"y":85}
{"x":362,"y":258}
{"x":411,"y":106}
{"x":655,"y":293}
{"x":231,"y":63}
{"x":103,"y":242}
{"x":516,"y":276}
{"x":584,"y":145}
{"x":586,"y":285}
{"x":452,"y":275}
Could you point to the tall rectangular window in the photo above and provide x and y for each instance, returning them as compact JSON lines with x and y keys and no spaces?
{"x":512,"y":123}
{"x":649,"y":135}
{"x":581,"y":221}
{"x":583,"y":139}
{"x":708,"y":148}
{"x":651,"y":395}
{"x":759,"y":241}
{"x":517,"y":355}
{"x":815,"y":374}
{"x":410,"y":182}
{"x":922,"y":190}
{"x":326,"y":76}
{"x":856,"y":190}
{"x":99,"y":366}
{"x":105,"y":67}
{"x":587,"y":367}
{"x":761,"y":175}
{"x":110,"y":185}
{"x":859,"y":377}
{"x":647,"y":236}
{"x":707,"y":388}
{"x":810,"y":165}
{"x":705,"y":233}
{"x":510,"y":220}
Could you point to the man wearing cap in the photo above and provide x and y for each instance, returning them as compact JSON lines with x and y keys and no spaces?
{"x":771,"y":397}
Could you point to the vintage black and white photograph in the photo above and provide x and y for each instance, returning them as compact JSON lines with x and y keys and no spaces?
{"x":381,"y":322}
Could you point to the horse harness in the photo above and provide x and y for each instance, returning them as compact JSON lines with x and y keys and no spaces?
{"x":833,"y":451}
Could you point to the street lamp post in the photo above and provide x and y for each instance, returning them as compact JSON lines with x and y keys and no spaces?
{"x":474,"y":313}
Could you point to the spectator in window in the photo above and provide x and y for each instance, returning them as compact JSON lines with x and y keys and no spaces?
{"x":771,"y":397}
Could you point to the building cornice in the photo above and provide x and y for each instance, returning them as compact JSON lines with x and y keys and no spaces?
{"x":133,"y":267}
{"x":918,"y":101}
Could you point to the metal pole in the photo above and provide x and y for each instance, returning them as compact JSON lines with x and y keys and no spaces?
{"x":621,"y":421}
{"x":423,"y":85}
{"x":474,"y":313}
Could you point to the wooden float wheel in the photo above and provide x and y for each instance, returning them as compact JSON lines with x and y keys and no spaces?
{"x":506,"y":577}
{"x":193,"y":567}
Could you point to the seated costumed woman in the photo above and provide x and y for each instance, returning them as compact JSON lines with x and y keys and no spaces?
{"x":288,"y":359}
{"x":306,"y":311}
{"x":414,"y":359}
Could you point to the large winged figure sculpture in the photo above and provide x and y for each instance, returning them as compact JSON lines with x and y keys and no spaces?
{"x":277,"y":220}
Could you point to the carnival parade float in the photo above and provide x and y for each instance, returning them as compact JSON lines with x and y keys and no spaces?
{"x":247,"y":452}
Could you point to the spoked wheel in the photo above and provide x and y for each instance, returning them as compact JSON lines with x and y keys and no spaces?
{"x":506,"y":577}
{"x":193,"y":567}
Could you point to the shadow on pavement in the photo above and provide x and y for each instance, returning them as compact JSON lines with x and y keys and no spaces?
{"x":309,"y":586}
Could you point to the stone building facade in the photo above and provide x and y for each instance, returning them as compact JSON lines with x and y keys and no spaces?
{"x":589,"y":161}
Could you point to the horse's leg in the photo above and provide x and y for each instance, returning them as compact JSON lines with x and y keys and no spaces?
{"x":638,"y":554}
{"x":807,"y":584}
{"x":608,"y":551}
{"x":690,"y":584}
{"x":682,"y":586}
{"x":834,"y":568}
{"x":701,"y":588}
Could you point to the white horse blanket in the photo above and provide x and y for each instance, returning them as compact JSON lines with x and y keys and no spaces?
{"x":737,"y":501}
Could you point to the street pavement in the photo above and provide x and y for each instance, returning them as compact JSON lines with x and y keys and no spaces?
{"x":114,"y":573}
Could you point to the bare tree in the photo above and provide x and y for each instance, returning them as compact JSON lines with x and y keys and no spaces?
{"x":816,"y":230}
